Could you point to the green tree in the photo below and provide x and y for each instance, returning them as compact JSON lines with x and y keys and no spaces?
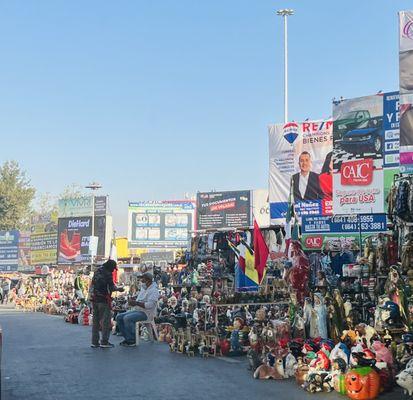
{"x":16,"y":195}
{"x":73,"y":191}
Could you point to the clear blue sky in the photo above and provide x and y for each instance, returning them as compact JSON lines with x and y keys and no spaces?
{"x":157,"y":98}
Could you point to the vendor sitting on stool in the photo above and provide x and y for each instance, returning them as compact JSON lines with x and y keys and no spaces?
{"x":143,"y":308}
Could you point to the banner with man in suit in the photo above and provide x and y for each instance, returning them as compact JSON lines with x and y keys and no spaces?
{"x":300,"y":168}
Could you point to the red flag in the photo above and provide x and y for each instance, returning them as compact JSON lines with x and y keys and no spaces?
{"x":260,"y":252}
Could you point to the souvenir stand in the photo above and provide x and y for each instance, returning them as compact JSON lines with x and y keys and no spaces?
{"x":224,"y":314}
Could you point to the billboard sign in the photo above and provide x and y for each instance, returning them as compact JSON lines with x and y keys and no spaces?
{"x":406,"y":90}
{"x":160,"y":224}
{"x":261,"y":207}
{"x":101,"y":205}
{"x":24,"y":252}
{"x":43,"y":248}
{"x":300,"y":168}
{"x":220,"y":210}
{"x":73,"y":239}
{"x":9,"y":250}
{"x":357,"y":223}
{"x":44,"y":223}
{"x":365,"y":155}
{"x":82,"y":206}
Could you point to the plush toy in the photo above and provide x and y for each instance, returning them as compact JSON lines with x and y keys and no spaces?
{"x":405,"y":380}
{"x":362,"y":383}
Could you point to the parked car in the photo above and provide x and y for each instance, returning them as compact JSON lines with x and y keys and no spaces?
{"x":350,"y":121}
{"x":364,"y":140}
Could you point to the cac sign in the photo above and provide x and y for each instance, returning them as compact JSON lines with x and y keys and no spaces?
{"x":357,"y":173}
{"x":314,"y":242}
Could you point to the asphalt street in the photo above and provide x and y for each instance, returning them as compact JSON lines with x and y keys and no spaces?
{"x":45,"y":358}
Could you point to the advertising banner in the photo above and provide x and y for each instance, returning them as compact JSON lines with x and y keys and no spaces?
{"x":24,"y":252}
{"x":101,"y":205}
{"x":261,"y":207}
{"x":366,"y":143}
{"x":364,"y":223}
{"x":300,"y":168}
{"x":100,"y":232}
{"x":9,"y":250}
{"x":76,"y":207}
{"x":342,"y":230}
{"x":160,"y":224}
{"x":43,"y":248}
{"x":406,"y":90}
{"x":73,"y":239}
{"x":82,"y":206}
{"x":44,"y":223}
{"x":217,"y":210}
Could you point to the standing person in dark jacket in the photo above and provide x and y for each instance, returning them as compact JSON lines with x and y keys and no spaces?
{"x":101,"y":297}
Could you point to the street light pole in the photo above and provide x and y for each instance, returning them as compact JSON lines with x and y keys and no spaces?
{"x":93,"y":187}
{"x":285,"y":13}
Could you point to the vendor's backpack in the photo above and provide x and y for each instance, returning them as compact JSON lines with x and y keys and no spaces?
{"x":401,"y":208}
{"x":98,"y":285}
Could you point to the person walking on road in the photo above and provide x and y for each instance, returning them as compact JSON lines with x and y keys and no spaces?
{"x":143,"y":309}
{"x":101,"y":298}
{"x":6,"y":289}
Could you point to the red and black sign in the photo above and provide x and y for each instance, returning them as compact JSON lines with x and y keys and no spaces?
{"x":217,"y":210}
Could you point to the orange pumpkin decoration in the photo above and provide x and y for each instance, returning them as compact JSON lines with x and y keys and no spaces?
{"x":362,"y":383}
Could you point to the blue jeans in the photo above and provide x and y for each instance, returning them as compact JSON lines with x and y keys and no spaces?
{"x":126,"y":323}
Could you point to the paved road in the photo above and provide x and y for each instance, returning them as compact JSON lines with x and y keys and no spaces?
{"x":47,"y":359}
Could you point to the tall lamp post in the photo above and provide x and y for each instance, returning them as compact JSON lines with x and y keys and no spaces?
{"x":93,"y":187}
{"x":285,"y":13}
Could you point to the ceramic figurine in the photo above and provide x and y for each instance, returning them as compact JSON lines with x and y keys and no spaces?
{"x":383,"y":354}
{"x":298,"y":275}
{"x":301,"y":371}
{"x":321,"y":363}
{"x":235,"y":335}
{"x":365,"y":333}
{"x":362,"y":383}
{"x":290,"y":365}
{"x":321,"y":313}
{"x":307,"y":314}
{"x":254,"y":360}
{"x":394,"y":288}
{"x":341,"y":351}
{"x":338,"y":370}
{"x":298,"y":327}
{"x":318,"y":382}
{"x":265,"y":371}
{"x":405,"y":380}
{"x":253,"y":337}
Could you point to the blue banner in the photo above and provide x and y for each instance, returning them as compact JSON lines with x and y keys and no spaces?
{"x":9,"y":250}
{"x":361,"y":223}
{"x":391,"y":127}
